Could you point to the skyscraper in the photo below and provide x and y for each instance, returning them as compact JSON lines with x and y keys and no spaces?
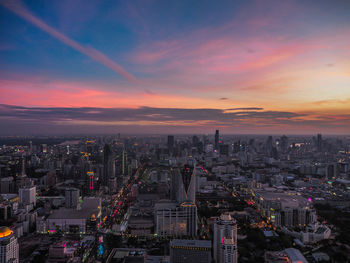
{"x":186,"y":184}
{"x":225,"y":239}
{"x":91,"y":178}
{"x":217,"y":140}
{"x":170,"y":143}
{"x":190,"y":210}
{"x":319,"y":142}
{"x":108,"y":164}
{"x":8,"y":246}
{"x":284,"y":143}
{"x":269,"y":145}
{"x":124,"y":162}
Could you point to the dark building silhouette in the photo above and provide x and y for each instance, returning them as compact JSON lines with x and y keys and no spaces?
{"x":319,"y":142}
{"x":108,"y":164}
{"x":217,"y":140}
{"x":171,"y":142}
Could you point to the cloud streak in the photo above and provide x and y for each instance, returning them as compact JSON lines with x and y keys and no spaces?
{"x":233,"y":120}
{"x":19,"y":9}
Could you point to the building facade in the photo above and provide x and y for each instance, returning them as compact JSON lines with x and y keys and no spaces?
{"x":185,"y":251}
{"x":9,"y":251}
{"x":225,"y":239}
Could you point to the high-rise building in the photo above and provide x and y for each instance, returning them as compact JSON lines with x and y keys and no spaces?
{"x":170,"y":143}
{"x":44,"y":148}
{"x":8,"y":246}
{"x":185,"y":251}
{"x":228,"y":251}
{"x":30,"y":147}
{"x":108,"y":164}
{"x":319,"y":142}
{"x":284,"y":143}
{"x":195,"y":141}
{"x":91,"y":178}
{"x":124,"y":162}
{"x":190,"y":210}
{"x":7,"y":185}
{"x":269,"y":145}
{"x":175,"y":220}
{"x":224,"y":149}
{"x":112,"y":185}
{"x":72,"y":198}
{"x":27,"y":195}
{"x":217,"y":137}
{"x":6,"y":211}
{"x":225,"y":239}
{"x":185,"y":184}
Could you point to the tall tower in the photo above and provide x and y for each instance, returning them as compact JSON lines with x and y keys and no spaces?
{"x":170,"y":143}
{"x":217,"y":140}
{"x":319,"y":142}
{"x":284,"y":143}
{"x":30,"y":147}
{"x":225,"y":239}
{"x":124,"y":162}
{"x":91,"y":181}
{"x":190,"y":213}
{"x":108,"y":164}
{"x":186,"y":185}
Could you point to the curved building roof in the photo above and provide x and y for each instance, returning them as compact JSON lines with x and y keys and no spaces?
{"x":5,"y":231}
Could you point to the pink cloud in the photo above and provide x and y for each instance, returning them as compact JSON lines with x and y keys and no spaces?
{"x":18,"y":8}
{"x":37,"y":91}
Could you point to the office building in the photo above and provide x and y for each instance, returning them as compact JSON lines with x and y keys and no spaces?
{"x":175,"y":220}
{"x":217,"y":140}
{"x":185,"y":251}
{"x":9,"y":251}
{"x":91,"y":179}
{"x":184,"y":184}
{"x":319,"y":142}
{"x":124,"y":163}
{"x":112,"y":185}
{"x":170,"y":143}
{"x":72,"y":198}
{"x":108,"y":164}
{"x":27,"y":195}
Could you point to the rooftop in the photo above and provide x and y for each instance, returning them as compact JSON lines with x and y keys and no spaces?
{"x":191,"y":243}
{"x":5,"y":232}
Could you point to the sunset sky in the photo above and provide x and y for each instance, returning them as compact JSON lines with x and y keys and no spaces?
{"x":188,"y":66}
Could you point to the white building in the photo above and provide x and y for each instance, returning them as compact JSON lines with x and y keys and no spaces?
{"x":8,"y":246}
{"x":228,"y":251}
{"x":225,"y":239}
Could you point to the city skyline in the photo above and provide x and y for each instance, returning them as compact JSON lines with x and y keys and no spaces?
{"x":162,"y":67}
